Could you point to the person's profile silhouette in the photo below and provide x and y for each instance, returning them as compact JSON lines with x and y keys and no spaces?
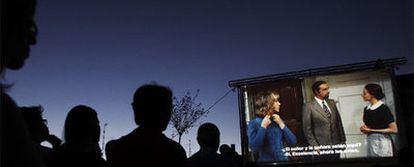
{"x":18,"y":33}
{"x":147,"y":145}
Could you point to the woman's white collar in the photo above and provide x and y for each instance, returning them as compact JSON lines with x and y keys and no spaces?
{"x":375,"y":106}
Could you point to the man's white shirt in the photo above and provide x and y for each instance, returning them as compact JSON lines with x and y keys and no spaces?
{"x":320,"y":103}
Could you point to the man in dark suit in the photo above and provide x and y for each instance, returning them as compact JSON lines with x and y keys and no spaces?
{"x":147,"y":145}
{"x":322,"y":124}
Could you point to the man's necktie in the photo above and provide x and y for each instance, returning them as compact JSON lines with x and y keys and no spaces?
{"x":325,"y":108}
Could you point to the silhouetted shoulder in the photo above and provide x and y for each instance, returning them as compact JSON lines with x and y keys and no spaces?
{"x":177,"y":153}
{"x":176,"y":146}
{"x":138,"y":148}
{"x":111,"y":144}
{"x":125,"y":141}
{"x":206,"y":159}
{"x":109,"y":148}
{"x":71,"y":158}
{"x":16,"y":146}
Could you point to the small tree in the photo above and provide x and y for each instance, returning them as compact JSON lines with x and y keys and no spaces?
{"x":186,"y":112}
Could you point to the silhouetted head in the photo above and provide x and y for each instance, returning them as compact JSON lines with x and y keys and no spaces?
{"x":152,"y":105}
{"x":321,"y":90}
{"x":372,"y":91}
{"x":35,"y":123}
{"x":208,"y":136}
{"x":82,"y":126}
{"x":18,"y":32}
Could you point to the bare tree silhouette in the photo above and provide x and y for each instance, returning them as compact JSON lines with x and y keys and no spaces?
{"x":186,"y":112}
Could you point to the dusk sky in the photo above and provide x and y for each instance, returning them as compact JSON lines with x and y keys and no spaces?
{"x":98,"y":52}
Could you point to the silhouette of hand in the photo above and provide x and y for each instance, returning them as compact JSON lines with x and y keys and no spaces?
{"x":54,"y":141}
{"x":266,"y":121}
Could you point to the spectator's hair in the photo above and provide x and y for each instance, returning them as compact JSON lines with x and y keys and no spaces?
{"x":81,"y":125}
{"x":32,"y":113}
{"x":375,"y":90}
{"x":152,"y":106}
{"x":316,"y":86}
{"x":264,"y":103}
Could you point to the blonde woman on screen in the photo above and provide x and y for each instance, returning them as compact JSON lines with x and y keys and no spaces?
{"x":267,"y":132}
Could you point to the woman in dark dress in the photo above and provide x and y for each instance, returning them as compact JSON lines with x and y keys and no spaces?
{"x":379,"y":122}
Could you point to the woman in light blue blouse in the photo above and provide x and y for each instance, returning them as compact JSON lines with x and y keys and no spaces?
{"x":267,"y":132}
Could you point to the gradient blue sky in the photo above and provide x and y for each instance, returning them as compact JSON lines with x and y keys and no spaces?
{"x":98,"y":52}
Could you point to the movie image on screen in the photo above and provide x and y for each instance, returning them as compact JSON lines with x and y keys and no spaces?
{"x":320,"y":118}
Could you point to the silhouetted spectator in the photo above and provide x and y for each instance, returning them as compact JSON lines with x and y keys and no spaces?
{"x":81,"y":134}
{"x":230,"y":155}
{"x":39,"y":132}
{"x":18,"y":32}
{"x":208,"y":137}
{"x":147,"y":145}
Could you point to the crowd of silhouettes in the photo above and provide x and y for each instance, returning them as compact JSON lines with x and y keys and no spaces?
{"x":144,"y":146}
{"x":23,"y":129}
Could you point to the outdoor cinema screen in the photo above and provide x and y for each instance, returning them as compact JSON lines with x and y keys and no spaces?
{"x":318,"y":118}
